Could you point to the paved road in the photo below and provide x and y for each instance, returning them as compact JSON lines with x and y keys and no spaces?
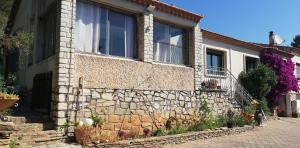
{"x":284,"y":133}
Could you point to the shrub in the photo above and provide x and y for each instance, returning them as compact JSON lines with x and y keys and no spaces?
{"x":159,"y":132}
{"x":239,"y":120}
{"x":179,"y":129}
{"x":295,"y":115}
{"x":13,"y":143}
{"x":286,"y":79}
{"x":259,"y":81}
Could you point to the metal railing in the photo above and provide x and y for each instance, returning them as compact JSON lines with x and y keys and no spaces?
{"x":221,"y":79}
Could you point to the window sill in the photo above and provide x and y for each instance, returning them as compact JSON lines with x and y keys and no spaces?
{"x":170,"y":64}
{"x":106,"y":56}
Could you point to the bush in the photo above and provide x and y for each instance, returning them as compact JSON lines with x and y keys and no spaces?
{"x":179,"y":129}
{"x":239,"y":120}
{"x":259,"y":81}
{"x":295,"y":115}
{"x":159,"y":132}
{"x":286,"y":79}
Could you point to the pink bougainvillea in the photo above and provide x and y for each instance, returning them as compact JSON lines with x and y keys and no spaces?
{"x":284,"y":69}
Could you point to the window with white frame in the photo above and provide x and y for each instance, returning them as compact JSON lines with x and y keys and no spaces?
{"x":169,"y":44}
{"x":105,"y":31}
{"x":215,"y":62}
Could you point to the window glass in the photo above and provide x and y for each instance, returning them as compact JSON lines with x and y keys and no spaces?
{"x":214,"y":62}
{"x":101,"y":30}
{"x":168,"y":44}
{"x":251,"y":63}
{"x":117,"y":34}
{"x":298,"y":70}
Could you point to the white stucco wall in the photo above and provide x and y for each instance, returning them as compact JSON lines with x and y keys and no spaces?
{"x":234,"y":55}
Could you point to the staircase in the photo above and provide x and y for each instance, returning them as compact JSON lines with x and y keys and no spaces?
{"x":33,"y":131}
{"x":226,"y":82}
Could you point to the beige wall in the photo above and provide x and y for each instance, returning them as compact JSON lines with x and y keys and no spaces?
{"x":234,"y":55}
{"x":119,"y":73}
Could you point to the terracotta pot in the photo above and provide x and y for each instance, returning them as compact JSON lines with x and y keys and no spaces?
{"x":86,"y":135}
{"x":6,"y":102}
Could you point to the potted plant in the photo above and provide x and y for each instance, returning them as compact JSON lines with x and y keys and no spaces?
{"x":212,"y":84}
{"x":8,"y":96}
{"x":89,"y":130}
{"x":7,"y":100}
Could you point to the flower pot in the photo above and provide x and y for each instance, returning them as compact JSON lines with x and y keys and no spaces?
{"x":86,"y":135}
{"x":7,"y":101}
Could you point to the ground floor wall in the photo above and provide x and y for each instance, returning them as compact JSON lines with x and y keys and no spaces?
{"x":135,"y":110}
{"x":121,"y":73}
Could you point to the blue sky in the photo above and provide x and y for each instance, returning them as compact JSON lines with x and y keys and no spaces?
{"x":249,"y":20}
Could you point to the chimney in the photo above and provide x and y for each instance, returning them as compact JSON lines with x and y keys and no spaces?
{"x":271,"y":39}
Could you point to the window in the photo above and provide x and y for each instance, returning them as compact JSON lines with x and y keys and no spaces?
{"x":104,"y":31}
{"x":214,"y":62}
{"x":298,"y":70}
{"x":251,"y":63}
{"x":169,"y":44}
{"x":47,"y":35}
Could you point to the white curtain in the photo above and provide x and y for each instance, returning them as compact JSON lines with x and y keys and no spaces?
{"x":176,"y":49}
{"x":162,"y":43}
{"x":87,"y":28}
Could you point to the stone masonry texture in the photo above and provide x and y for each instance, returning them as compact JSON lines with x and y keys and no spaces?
{"x":134,"y":110}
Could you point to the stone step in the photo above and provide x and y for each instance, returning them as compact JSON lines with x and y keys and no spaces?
{"x":50,"y":133}
{"x":41,"y":141}
{"x":34,"y":127}
{"x":4,"y":142}
{"x":29,"y":119}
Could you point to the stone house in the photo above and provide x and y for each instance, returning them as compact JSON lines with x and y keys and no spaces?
{"x":136,"y":62}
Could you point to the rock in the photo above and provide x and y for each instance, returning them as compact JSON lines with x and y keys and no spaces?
{"x":7,"y":126}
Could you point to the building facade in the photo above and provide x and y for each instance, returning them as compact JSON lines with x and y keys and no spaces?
{"x":135,"y":62}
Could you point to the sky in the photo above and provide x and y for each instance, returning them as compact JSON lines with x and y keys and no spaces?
{"x":247,"y":20}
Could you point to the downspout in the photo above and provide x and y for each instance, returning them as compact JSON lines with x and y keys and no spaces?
{"x":70,"y":63}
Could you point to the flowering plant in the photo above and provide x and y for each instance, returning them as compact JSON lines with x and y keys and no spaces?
{"x":284,"y":69}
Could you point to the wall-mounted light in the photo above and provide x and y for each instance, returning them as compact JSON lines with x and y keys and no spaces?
{"x":150,"y":8}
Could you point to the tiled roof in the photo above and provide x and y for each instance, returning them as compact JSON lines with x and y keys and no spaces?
{"x":225,"y":39}
{"x":166,"y":8}
{"x":254,"y":46}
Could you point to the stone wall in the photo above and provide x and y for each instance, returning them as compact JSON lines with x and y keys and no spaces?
{"x":134,"y":110}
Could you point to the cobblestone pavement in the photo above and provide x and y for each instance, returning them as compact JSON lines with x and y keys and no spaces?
{"x":283,"y":133}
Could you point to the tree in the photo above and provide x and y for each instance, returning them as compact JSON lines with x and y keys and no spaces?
{"x":22,"y":40}
{"x":286,"y":79}
{"x":5,"y":7}
{"x":296,"y":41}
{"x":259,"y":81}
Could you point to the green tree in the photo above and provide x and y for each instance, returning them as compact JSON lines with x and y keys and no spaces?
{"x":259,"y":82}
{"x":22,"y":40}
{"x":296,"y":41}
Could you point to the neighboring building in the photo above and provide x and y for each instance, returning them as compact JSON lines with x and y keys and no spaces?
{"x":126,"y":59}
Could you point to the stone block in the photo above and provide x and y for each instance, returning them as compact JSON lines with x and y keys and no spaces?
{"x":107,"y":96}
{"x":108,"y":126}
{"x":114,"y":119}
